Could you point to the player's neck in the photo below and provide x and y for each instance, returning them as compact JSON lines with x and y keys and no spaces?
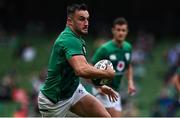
{"x":74,"y":31}
{"x":118,"y":43}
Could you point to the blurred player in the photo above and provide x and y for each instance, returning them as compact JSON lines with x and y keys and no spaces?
{"x":176,"y":79}
{"x":62,"y":90}
{"x":176,"y":82}
{"x":118,"y":51}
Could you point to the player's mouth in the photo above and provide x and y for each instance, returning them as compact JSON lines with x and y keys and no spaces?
{"x":85,"y":29}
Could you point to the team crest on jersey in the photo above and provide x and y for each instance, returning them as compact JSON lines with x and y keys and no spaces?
{"x":120,"y":65}
{"x":84,"y":50}
{"x":112,"y":57}
{"x":127,"y":55}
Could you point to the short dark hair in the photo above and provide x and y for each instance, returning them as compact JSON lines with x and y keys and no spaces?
{"x":120,"y":21}
{"x":73,"y":7}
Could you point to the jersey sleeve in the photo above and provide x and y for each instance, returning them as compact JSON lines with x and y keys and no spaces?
{"x":129,"y":53}
{"x":72,"y":47}
{"x":99,"y":54}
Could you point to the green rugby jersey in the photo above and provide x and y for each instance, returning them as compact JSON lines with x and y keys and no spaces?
{"x":119,"y":56}
{"x":61,"y":81}
{"x":178,"y":71}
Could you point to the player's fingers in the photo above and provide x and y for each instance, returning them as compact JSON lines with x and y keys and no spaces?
{"x":115,"y":98}
{"x":112,"y":99}
{"x":109,"y":98}
{"x":132,"y":93}
{"x":132,"y":90}
{"x":116,"y":95}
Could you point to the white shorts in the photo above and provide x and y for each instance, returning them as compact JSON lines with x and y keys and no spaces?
{"x":60,"y":109}
{"x":106,"y":102}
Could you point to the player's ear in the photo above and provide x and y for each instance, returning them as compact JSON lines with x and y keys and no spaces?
{"x":127,"y":30}
{"x":69,"y":21}
{"x":112,"y":30}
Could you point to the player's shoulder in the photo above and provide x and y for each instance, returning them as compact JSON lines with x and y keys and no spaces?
{"x":66,"y":38}
{"x":67,"y":33}
{"x":127,"y":45}
{"x":107,"y":44}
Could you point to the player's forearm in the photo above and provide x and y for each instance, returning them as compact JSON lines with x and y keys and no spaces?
{"x":89,"y":71}
{"x":129,"y":75}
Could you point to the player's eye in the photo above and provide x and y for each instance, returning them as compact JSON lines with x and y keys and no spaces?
{"x":123,"y":30}
{"x":118,"y":30}
{"x":82,"y":18}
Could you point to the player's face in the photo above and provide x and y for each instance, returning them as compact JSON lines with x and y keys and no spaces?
{"x":80,"y":21}
{"x":120,"y":32}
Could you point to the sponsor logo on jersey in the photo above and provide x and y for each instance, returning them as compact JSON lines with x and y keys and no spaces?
{"x":127,"y":55}
{"x":120,"y":65}
{"x":112,"y":57}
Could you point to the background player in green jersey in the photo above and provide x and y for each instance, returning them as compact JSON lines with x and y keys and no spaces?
{"x":118,"y":51}
{"x":176,"y":79}
{"x":62,"y":90}
{"x":176,"y":83}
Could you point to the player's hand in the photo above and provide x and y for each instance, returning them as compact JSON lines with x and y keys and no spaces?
{"x":111,"y":72}
{"x":110,"y":92}
{"x":131,"y":89}
{"x":100,"y":91}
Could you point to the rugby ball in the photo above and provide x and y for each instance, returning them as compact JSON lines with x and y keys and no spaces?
{"x":102,"y":64}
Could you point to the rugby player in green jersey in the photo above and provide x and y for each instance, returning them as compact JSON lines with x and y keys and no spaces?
{"x":62,"y":90}
{"x":118,"y":51}
{"x":176,"y":79}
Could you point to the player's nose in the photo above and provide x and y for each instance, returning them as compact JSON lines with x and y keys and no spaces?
{"x":86,"y":23}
